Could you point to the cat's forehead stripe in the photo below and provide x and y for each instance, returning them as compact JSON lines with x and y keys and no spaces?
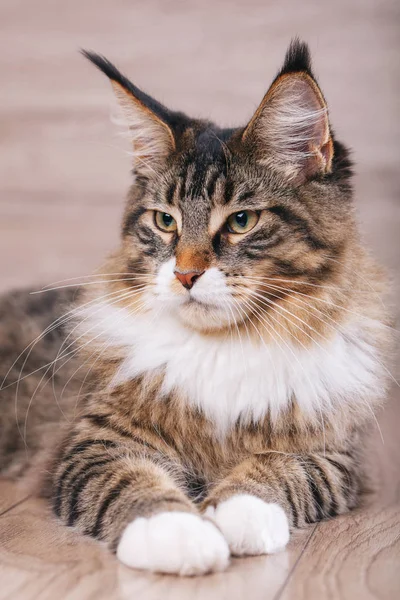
{"x":214,"y":176}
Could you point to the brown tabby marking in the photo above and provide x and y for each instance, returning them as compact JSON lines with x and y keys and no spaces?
{"x":297,"y":278}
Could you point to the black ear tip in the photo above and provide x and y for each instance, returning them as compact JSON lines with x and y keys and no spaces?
{"x":105,"y":66}
{"x":298,"y":58}
{"x":97,"y":59}
{"x":90,"y":55}
{"x":85,"y":52}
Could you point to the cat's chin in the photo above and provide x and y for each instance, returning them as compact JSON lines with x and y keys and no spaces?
{"x":206,"y":317}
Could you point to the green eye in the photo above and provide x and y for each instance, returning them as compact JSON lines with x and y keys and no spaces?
{"x":165,"y":221}
{"x":242,"y":222}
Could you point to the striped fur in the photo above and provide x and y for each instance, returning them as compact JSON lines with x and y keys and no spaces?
{"x":238,"y":405}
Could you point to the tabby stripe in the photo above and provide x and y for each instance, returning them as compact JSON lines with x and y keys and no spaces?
{"x":212,"y":184}
{"x":183,"y":192}
{"x":228,"y":193}
{"x":145,"y":234}
{"x":111,"y":497}
{"x":165,"y":437}
{"x":78,"y":484}
{"x":315,"y":275}
{"x":171,"y":192}
{"x":98,"y":420}
{"x":294,"y":220}
{"x":318,"y":500}
{"x":82,"y":446}
{"x":333,"y":506}
{"x":292,"y":503}
{"x":182,"y":187}
{"x":216,"y":243}
{"x":141,"y":442}
{"x":253,"y":254}
{"x":180,"y":184}
{"x":131,"y":220}
{"x":285,"y":267}
{"x":264,"y":233}
{"x":262,"y":247}
{"x":265,"y":238}
{"x":141,"y":180}
{"x":135,"y":266}
{"x":57,"y":500}
{"x":103,"y":421}
{"x":245,"y":196}
{"x":314,"y":487}
{"x":344,"y":472}
{"x":148,"y":252}
{"x":320,"y":274}
{"x":332,"y":509}
{"x":197,"y":183}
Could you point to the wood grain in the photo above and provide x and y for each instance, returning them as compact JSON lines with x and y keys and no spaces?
{"x":10,"y":495}
{"x":63,"y":177}
{"x":352,"y":558}
{"x":39,"y":558}
{"x":357,"y":557}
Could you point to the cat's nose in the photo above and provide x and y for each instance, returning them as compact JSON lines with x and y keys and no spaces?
{"x":189,"y":278}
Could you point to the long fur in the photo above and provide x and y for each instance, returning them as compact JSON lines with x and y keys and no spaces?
{"x":221,"y":374}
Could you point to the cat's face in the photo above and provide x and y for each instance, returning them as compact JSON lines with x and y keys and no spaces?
{"x":210,"y":239}
{"x":223,"y":226}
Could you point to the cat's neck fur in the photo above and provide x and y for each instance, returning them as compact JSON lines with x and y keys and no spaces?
{"x":231,"y":379}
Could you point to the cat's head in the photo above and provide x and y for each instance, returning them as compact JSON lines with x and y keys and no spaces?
{"x":223,"y":226}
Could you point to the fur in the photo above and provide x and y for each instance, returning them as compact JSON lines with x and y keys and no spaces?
{"x":209,"y":390}
{"x":222,"y":378}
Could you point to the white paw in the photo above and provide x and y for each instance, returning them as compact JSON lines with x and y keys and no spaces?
{"x":250,"y":525}
{"x":173,"y":542}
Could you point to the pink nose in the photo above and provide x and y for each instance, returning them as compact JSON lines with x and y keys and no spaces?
{"x":188,"y":279}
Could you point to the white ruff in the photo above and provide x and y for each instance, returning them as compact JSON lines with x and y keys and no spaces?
{"x":230,"y":380}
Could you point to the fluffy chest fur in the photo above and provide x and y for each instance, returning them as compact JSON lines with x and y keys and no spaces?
{"x":230,"y":379}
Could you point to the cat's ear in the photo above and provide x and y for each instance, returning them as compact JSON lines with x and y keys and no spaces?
{"x":146,"y":119}
{"x":290,"y":130}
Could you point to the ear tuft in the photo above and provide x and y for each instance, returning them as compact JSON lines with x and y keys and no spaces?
{"x":290,"y":130}
{"x":146,"y":119}
{"x":106,"y":67}
{"x":297,"y":58}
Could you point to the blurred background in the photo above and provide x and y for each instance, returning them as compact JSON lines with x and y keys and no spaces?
{"x":64,"y":171}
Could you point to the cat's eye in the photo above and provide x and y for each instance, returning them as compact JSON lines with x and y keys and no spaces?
{"x":243,"y":221}
{"x":165,"y":221}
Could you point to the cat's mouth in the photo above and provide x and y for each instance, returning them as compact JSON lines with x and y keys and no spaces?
{"x":207,"y":304}
{"x":196,"y":301}
{"x":205,"y":313}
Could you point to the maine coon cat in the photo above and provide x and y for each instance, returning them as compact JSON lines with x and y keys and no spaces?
{"x":226,"y":360}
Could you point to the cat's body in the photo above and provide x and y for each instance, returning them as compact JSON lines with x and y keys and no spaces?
{"x":229,"y":361}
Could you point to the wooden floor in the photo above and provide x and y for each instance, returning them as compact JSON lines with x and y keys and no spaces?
{"x":63,"y":175}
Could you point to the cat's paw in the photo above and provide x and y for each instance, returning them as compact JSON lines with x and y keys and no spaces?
{"x":250,"y":525}
{"x":173,"y":542}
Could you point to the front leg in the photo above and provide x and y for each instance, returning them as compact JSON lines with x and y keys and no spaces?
{"x":118,"y":489}
{"x":265,"y":496}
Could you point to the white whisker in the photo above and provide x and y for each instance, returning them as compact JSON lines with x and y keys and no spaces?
{"x":256,"y":308}
{"x":60,"y":287}
{"x":105,"y":346}
{"x":52,"y":364}
{"x":323,"y":300}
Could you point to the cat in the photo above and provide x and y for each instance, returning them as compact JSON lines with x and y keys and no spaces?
{"x":228,"y":358}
